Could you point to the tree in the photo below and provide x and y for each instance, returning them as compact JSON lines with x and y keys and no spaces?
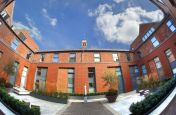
{"x":111,"y":80}
{"x":9,"y":67}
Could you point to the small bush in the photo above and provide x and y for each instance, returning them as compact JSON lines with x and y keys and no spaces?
{"x":59,"y":95}
{"x":21,"y":107}
{"x":2,"y":82}
{"x":150,"y":101}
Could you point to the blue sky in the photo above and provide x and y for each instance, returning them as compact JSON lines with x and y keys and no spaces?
{"x":62,"y":24}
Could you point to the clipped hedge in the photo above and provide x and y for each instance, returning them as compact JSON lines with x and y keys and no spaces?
{"x":58,"y":95}
{"x":18,"y":106}
{"x":89,"y":94}
{"x":143,"y":107}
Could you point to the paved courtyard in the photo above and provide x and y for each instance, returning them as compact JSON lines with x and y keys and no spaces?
{"x":46,"y":107}
{"x":124,"y":101}
{"x":91,"y":108}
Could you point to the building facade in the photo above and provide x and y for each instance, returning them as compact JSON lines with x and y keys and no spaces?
{"x":152,"y":54}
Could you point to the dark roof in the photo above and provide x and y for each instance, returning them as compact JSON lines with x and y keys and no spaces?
{"x":84,"y":50}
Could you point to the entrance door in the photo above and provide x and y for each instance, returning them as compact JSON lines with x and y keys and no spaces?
{"x":13,"y":77}
{"x":134,"y":72}
{"x":23,"y":77}
{"x":120,"y":80}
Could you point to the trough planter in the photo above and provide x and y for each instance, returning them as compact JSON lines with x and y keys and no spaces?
{"x":51,"y":99}
{"x":88,"y":97}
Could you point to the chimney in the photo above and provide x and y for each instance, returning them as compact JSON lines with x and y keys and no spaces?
{"x":84,"y":44}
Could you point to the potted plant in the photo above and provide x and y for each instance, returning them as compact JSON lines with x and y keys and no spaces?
{"x":111,"y":81}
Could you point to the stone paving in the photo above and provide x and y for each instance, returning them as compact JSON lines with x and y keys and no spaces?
{"x":170,"y":109}
{"x":90,"y":108}
{"x":124,"y":101}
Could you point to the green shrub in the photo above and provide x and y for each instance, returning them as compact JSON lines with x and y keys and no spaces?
{"x":2,"y":82}
{"x":150,"y":101}
{"x":21,"y":107}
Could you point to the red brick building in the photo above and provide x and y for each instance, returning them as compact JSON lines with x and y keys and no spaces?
{"x":152,"y":54}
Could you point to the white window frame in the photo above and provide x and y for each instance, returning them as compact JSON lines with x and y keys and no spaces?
{"x":171,"y":25}
{"x":155,"y":42}
{"x":115,"y":57}
{"x":97,"y":57}
{"x":15,"y":43}
{"x":55,"y":57}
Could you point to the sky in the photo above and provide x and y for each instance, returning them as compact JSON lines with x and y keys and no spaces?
{"x":62,"y":24}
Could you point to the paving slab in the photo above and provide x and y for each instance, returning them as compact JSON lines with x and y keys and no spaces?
{"x":124,"y":101}
{"x":90,"y":108}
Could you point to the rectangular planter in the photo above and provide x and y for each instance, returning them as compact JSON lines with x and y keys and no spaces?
{"x":50,"y":99}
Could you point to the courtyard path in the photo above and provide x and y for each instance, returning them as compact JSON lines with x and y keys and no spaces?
{"x":90,"y":108}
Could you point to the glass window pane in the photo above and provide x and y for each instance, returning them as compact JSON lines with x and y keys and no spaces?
{"x":152,"y":29}
{"x":96,"y":55}
{"x":70,"y":90}
{"x":172,"y":28}
{"x":72,"y":55}
{"x":153,"y":39}
{"x":97,"y":59}
{"x":156,"y":43}
{"x":70,"y":70}
{"x":115,"y":57}
{"x":169,"y":23}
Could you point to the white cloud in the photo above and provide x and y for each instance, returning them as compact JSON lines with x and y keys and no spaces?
{"x":32,"y":28}
{"x":52,"y":21}
{"x":118,"y":1}
{"x":122,"y":27}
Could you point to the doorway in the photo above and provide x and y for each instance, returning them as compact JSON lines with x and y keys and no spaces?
{"x":23,"y":77}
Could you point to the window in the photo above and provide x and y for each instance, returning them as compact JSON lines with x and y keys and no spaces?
{"x":120,"y":80}
{"x":172,"y":60}
{"x":134,"y":73}
{"x":139,"y":55}
{"x":56,"y":57}
{"x":4,"y":15}
{"x":97,"y":57}
{"x":144,"y":70}
{"x":170,"y":55}
{"x":70,"y":80}
{"x":15,"y":44}
{"x":148,"y":34}
{"x":91,"y":77}
{"x":128,"y":56}
{"x":28,"y":56}
{"x":1,"y":53}
{"x":22,"y":37}
{"x":158,"y":63}
{"x":42,"y":57}
{"x":40,"y":79}
{"x":115,"y":57}
{"x":154,"y":42}
{"x":171,"y":25}
{"x":39,"y":72}
{"x":72,"y":57}
{"x":0,"y":23}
